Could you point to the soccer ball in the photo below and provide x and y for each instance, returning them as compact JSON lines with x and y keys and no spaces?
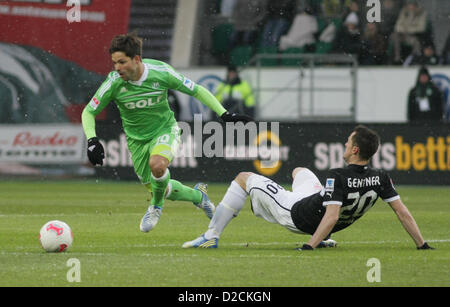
{"x":56,"y":237}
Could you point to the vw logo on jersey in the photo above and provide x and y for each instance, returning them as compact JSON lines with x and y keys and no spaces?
{"x":443,"y":83}
{"x":210,"y":82}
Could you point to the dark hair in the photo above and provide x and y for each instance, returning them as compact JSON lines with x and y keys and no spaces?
{"x":367,"y":140}
{"x":232,"y":68}
{"x":129,"y":43}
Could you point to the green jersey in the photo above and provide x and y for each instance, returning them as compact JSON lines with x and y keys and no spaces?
{"x":143,"y":104}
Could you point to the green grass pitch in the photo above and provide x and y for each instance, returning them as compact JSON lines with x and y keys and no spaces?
{"x":104,"y":217}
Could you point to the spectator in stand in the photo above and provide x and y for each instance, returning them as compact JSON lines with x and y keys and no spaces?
{"x":302,"y":31}
{"x":247,"y":19}
{"x":373,"y":51}
{"x":411,"y":23}
{"x":353,"y":8}
{"x":427,"y":58}
{"x":235,"y":93}
{"x":334,"y":8}
{"x":390,"y":10}
{"x":279,"y":17}
{"x":425,"y":100}
{"x":348,"y":39}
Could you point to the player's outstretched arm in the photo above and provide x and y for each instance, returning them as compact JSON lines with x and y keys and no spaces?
{"x":326,"y":225}
{"x":88,"y":123}
{"x":408,"y":222}
{"x":209,"y":100}
{"x":95,"y":150}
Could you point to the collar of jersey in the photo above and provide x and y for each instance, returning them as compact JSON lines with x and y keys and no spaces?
{"x":357,"y":166}
{"x":142,"y":78}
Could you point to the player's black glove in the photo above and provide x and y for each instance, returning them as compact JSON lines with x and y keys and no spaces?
{"x":234,"y":118}
{"x":425,"y":246}
{"x":95,"y":151}
{"x":305,"y":247}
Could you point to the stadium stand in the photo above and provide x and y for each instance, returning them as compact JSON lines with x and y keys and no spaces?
{"x":330,"y":16}
{"x":153,"y":20}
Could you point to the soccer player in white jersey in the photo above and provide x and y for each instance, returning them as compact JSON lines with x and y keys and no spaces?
{"x":311,"y":208}
{"x":139,"y":88}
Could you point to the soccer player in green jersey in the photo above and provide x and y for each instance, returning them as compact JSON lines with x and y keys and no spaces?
{"x":139,"y":88}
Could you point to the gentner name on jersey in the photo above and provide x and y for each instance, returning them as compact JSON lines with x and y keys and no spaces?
{"x":363,"y":182}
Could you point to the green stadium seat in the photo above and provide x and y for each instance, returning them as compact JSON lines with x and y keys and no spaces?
{"x":268,"y":61}
{"x":241,"y":55}
{"x":321,"y":24}
{"x":322,"y":47}
{"x":221,"y":38}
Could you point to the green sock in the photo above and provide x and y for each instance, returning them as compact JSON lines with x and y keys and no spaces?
{"x":181,"y":192}
{"x":159,"y":186}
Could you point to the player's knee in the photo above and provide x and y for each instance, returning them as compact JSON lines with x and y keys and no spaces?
{"x":158,"y":171}
{"x":242,"y":177}
{"x":296,"y":170}
{"x":158,"y":167}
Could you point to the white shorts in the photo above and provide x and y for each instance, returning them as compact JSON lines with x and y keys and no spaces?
{"x":273,"y":203}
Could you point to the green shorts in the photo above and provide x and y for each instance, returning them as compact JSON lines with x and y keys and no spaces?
{"x":164,"y":144}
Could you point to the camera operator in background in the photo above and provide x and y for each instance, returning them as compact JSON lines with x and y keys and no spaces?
{"x":236,"y":94}
{"x":425,"y":100}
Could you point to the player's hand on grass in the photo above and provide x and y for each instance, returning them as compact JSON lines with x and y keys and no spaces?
{"x":305,"y":247}
{"x":95,"y":151}
{"x":425,"y":246}
{"x":235,"y":118}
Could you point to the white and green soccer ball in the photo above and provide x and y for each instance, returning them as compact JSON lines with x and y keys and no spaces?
{"x":56,"y":237}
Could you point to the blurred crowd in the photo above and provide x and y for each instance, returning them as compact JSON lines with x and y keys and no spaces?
{"x":404,"y":35}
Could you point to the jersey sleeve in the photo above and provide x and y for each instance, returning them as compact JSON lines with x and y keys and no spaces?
{"x":388,"y":192}
{"x":178,"y":82}
{"x":209,"y":100}
{"x":185,"y":85}
{"x":103,"y":96}
{"x":333,"y":190}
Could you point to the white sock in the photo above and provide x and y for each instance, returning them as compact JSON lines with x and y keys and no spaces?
{"x":229,"y":207}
